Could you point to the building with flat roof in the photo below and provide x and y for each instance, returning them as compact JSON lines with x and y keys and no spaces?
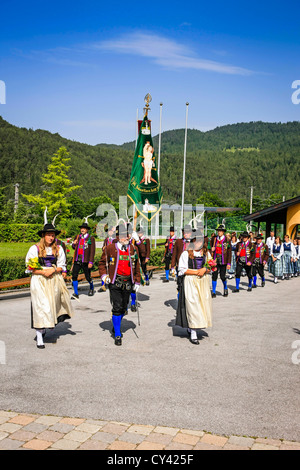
{"x":286,"y":214}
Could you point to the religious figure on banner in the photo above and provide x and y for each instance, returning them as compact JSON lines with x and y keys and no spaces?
{"x":148,"y":163}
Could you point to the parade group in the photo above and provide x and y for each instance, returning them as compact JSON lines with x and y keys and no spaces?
{"x":194,"y":260}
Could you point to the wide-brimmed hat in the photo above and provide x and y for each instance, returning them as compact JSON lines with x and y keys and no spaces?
{"x":124,"y":230}
{"x":84,"y":225}
{"x":48,"y":228}
{"x":259,"y":236}
{"x":244,"y":234}
{"x":187,"y":228}
{"x":221,"y":227}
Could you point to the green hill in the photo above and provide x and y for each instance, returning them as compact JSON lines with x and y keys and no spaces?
{"x":225,"y":161}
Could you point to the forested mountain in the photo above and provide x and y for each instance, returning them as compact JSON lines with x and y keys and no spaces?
{"x":225,"y":161}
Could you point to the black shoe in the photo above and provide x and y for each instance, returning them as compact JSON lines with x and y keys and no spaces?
{"x":236,"y":290}
{"x":194,"y":341}
{"x":40,"y":346}
{"x":91,"y":292}
{"x":254,"y":286}
{"x":249,"y":289}
{"x":225,"y":293}
{"x":118,"y":341}
{"x":166,"y":280}
{"x":102,"y":289}
{"x":147,"y":283}
{"x":213,"y":295}
{"x":263,"y":284}
{"x":133,"y":308}
{"x":75,"y":296}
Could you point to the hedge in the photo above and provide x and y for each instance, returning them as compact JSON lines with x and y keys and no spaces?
{"x":14,"y":268}
{"x":19,"y":232}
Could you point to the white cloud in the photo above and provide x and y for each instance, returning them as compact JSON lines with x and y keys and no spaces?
{"x":166,"y":53}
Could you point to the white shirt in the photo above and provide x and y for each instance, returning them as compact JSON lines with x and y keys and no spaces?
{"x":183,"y":264}
{"x":269,"y":242}
{"x":61,"y":258}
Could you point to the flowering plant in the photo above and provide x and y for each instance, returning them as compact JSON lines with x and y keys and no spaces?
{"x":33,"y":263}
{"x":211,"y":265}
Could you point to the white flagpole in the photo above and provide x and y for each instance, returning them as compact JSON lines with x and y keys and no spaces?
{"x":184,"y":162}
{"x":158,"y":172}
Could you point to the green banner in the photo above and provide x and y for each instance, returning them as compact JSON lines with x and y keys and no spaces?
{"x":144,"y":188}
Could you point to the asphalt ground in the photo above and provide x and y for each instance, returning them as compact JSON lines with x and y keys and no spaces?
{"x":242,"y":379}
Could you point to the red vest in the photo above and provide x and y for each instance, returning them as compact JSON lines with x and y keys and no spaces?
{"x":124,"y":267}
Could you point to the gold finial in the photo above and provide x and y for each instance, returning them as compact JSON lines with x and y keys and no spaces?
{"x":147,"y":99}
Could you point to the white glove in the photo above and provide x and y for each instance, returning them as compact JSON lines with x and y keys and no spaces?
{"x":136,"y":287}
{"x":106,"y":279}
{"x":135,"y":236}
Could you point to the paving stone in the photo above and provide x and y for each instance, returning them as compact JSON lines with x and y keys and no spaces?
{"x":10,"y":427}
{"x":186,"y":439}
{"x":22,"y":435}
{"x":3,"y":435}
{"x":241,"y":441}
{"x":132,"y":437}
{"x":22,"y":419}
{"x":65,"y":444}
{"x":214,"y":440}
{"x":51,"y":436}
{"x":10,"y":444}
{"x":114,"y":428}
{"x":93,"y":445}
{"x":35,"y":427}
{"x":234,"y":447}
{"x":178,"y":446}
{"x":163,"y":439}
{"x":287,"y":447}
{"x":194,"y":433}
{"x":62,"y":427}
{"x":166,"y":430}
{"x":205,"y":446}
{"x":121,"y":445}
{"x":272,"y":442}
{"x":140,"y":429}
{"x":72,"y":421}
{"x":7,"y":414}
{"x":48,"y":420}
{"x":78,"y":436}
{"x":263,"y":447}
{"x":149,"y":446}
{"x":104,"y":437}
{"x":88,"y":427}
{"x":37,"y":444}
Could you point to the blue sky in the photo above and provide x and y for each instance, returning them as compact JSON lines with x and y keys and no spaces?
{"x":82,"y":69}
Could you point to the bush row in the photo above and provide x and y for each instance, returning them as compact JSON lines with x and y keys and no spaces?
{"x":14,"y":268}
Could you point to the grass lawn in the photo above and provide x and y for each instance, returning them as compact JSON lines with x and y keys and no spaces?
{"x":10,"y":250}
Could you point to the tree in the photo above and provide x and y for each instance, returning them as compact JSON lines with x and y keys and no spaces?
{"x":57,"y":187}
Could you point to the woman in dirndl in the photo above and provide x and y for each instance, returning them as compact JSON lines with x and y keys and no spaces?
{"x":276,"y":254}
{"x":288,"y":257}
{"x":50,"y":299}
{"x":194,"y":310}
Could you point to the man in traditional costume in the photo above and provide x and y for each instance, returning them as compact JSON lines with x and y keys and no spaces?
{"x":111,"y":238}
{"x":143,"y":245}
{"x":169,"y":248}
{"x":221,"y":253}
{"x":244,"y":259}
{"x":84,"y":247}
{"x":50,"y":299}
{"x":122,"y":274}
{"x":260,"y":260}
{"x":180,"y":246}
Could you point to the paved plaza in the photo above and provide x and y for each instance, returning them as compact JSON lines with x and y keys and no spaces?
{"x":239,"y":388}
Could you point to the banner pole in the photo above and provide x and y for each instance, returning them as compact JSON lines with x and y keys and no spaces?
{"x":184,"y":163}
